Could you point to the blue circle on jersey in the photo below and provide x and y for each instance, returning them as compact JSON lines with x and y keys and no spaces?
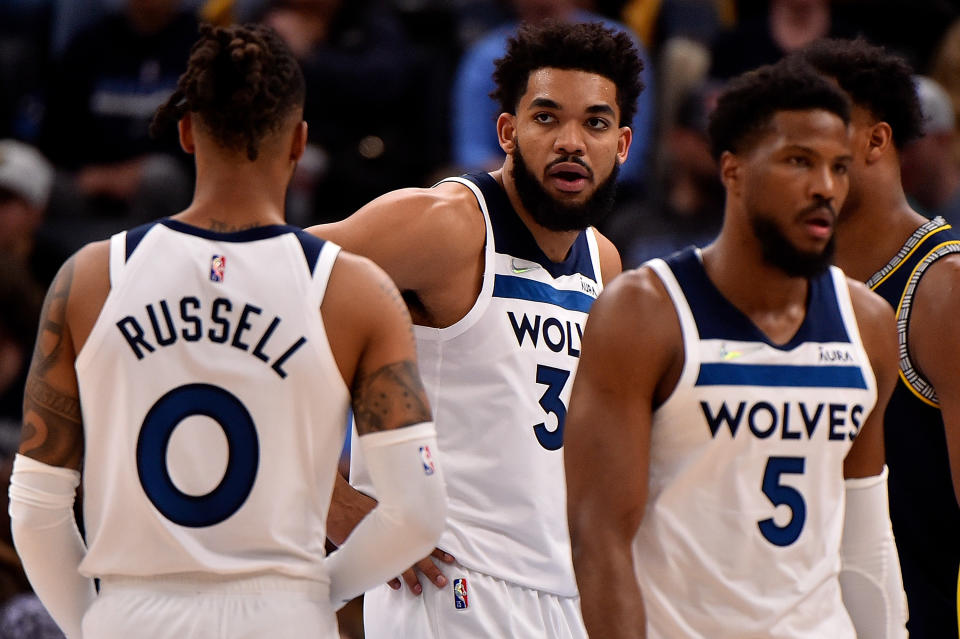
{"x":242,"y":460}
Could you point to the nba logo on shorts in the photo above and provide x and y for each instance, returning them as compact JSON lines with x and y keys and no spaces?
{"x":427,"y":460}
{"x":217,"y":265}
{"x":460,"y":593}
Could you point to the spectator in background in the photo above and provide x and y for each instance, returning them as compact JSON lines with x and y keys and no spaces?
{"x":26,"y":180}
{"x":103,"y":92}
{"x":369,"y":102}
{"x":685,"y":206}
{"x":929,"y":166}
{"x":786,"y":26}
{"x":475,"y":145}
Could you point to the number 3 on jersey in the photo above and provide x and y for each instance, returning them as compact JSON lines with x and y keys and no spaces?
{"x":554,"y":379}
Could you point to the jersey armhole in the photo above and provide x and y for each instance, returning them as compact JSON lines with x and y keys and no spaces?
{"x":321,"y":272}
{"x":118,"y":256}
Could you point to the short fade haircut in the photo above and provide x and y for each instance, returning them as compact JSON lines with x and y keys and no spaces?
{"x":580,"y":46}
{"x":243,"y":81}
{"x":875,"y":79}
{"x":748,"y":103}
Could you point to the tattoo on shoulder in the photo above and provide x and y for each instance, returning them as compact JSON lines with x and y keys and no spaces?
{"x":390,"y":397}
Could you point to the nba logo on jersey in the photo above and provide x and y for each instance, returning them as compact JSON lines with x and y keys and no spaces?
{"x":427,"y":460}
{"x":217,"y":265}
{"x":460,"y":593}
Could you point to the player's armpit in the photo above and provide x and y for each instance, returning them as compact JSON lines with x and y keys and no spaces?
{"x":52,"y":423}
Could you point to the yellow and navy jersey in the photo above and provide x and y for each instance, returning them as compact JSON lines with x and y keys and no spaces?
{"x":923,"y":508}
{"x":213,"y":409}
{"x":499,"y":383}
{"x":742,"y":527}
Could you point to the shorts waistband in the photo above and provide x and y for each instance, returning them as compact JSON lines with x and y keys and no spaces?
{"x":219,"y":584}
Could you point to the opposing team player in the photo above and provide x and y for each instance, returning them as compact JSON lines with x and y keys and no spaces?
{"x":199,"y":370}
{"x":724,"y":442}
{"x":912,"y":263}
{"x":499,"y":271}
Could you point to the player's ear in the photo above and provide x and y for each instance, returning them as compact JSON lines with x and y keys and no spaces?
{"x":879,"y":138}
{"x":185,"y":132}
{"x":507,"y":131}
{"x":299,"y":142}
{"x":730,"y":171}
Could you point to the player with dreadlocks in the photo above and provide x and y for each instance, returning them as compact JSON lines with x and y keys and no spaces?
{"x":198,"y":370}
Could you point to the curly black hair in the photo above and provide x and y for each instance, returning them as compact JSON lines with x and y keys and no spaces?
{"x":243,"y":81}
{"x":749,"y":101}
{"x":875,"y":79}
{"x":590,"y":47}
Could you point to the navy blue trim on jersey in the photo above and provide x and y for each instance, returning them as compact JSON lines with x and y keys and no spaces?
{"x":311,"y":246}
{"x":520,"y":288}
{"x":247,"y":235}
{"x":512,"y":237}
{"x":717,"y":318}
{"x":134,"y":236}
{"x":798,"y":376}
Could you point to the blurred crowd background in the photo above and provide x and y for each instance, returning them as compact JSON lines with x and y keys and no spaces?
{"x":396,"y":96}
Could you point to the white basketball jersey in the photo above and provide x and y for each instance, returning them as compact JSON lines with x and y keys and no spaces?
{"x":499,"y":382}
{"x":213,"y":409}
{"x":741,"y":533}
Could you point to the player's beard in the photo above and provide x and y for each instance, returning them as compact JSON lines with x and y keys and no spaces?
{"x":552,"y":214}
{"x":779,"y":252}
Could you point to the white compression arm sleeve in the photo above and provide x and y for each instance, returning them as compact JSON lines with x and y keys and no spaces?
{"x":408,"y":519}
{"x":46,"y":538}
{"x":870,"y":568}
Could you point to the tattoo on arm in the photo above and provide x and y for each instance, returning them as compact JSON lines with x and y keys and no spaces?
{"x":52,"y":425}
{"x":390,"y":397}
{"x":52,"y":422}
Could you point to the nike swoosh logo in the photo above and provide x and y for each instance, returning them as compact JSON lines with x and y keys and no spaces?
{"x":523,"y":266}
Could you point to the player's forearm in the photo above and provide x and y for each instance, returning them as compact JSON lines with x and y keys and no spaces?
{"x":46,"y":538}
{"x":348,"y":506}
{"x":610,"y":598}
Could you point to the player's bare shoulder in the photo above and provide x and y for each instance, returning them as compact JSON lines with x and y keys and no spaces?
{"x":610,"y":263}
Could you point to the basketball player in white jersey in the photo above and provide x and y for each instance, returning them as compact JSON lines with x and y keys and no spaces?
{"x":198,"y":370}
{"x":724,"y":457}
{"x":498,"y":270}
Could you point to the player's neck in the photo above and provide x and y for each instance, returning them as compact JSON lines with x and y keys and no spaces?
{"x":554,"y":244}
{"x":870,"y":233}
{"x":246,"y":196}
{"x":775,"y":302}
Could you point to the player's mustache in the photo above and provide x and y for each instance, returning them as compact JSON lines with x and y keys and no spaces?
{"x":575,"y":159}
{"x":818,"y":204}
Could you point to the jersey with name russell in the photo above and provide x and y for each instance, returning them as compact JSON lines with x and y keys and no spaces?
{"x":742,"y":528}
{"x":499,"y":381}
{"x":923,"y":508}
{"x":213,"y":409}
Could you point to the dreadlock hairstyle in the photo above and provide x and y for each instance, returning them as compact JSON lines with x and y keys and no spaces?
{"x":241,"y":80}
{"x":589,"y":47}
{"x":876,"y":79}
{"x":748,"y":103}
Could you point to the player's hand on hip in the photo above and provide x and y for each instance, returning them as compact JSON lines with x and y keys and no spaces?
{"x":429,"y":568}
